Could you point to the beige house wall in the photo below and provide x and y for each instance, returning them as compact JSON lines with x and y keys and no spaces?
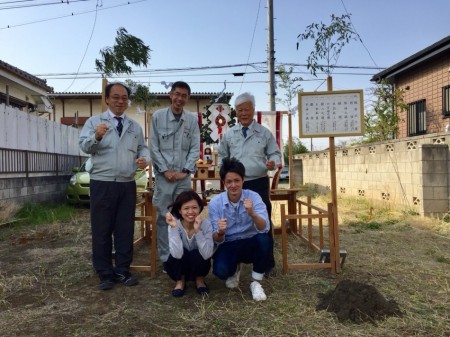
{"x":21,"y":93}
{"x":412,"y":173}
{"x":23,"y":89}
{"x":85,"y":107}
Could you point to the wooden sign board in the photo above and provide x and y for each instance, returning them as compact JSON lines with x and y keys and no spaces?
{"x":331,"y":113}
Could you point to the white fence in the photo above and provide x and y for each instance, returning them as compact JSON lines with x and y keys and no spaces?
{"x":22,"y":131}
{"x":36,"y":157}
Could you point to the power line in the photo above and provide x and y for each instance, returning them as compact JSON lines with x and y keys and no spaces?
{"x":359,"y":36}
{"x":187,"y":69}
{"x":87,"y":46}
{"x":71,"y":14}
{"x":97,"y":75}
{"x":251,"y":44}
{"x":67,"y":2}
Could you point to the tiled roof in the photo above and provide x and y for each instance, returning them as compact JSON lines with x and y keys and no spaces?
{"x":193,"y":95}
{"x":27,"y":76}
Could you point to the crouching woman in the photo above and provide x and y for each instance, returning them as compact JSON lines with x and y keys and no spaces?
{"x":190,"y":243}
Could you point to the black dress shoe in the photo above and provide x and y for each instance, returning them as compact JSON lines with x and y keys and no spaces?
{"x":106,"y":283}
{"x":126,"y":279}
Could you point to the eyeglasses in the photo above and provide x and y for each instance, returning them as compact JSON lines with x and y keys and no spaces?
{"x":180,"y":95}
{"x":119,"y":98}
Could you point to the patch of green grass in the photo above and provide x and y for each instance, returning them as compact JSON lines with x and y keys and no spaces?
{"x":373,"y":225}
{"x":443,"y":259}
{"x":44,"y":213}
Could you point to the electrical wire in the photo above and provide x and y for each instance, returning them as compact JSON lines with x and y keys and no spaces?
{"x":359,"y":36}
{"x":251,"y":44}
{"x":67,"y":2}
{"x":87,"y":46}
{"x":71,"y":14}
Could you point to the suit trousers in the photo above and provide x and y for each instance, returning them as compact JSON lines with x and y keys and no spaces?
{"x":113,"y":207}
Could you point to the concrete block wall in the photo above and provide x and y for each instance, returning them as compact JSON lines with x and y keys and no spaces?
{"x":34,"y":189}
{"x":412,"y":173}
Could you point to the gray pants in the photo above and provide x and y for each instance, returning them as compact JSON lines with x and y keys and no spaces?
{"x":165,"y":194}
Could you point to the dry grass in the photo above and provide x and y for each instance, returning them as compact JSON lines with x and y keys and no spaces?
{"x":7,"y":211}
{"x":47,"y":287}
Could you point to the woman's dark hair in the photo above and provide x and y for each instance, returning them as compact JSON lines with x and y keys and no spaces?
{"x":183,"y":198}
{"x":231,"y":165}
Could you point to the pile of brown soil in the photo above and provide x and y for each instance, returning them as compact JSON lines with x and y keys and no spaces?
{"x":359,"y":302}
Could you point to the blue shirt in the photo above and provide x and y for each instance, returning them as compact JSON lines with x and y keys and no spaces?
{"x":240,"y":225}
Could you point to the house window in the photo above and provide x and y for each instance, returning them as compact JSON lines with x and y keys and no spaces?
{"x":417,"y":118}
{"x":446,"y":100}
{"x":13,"y":102}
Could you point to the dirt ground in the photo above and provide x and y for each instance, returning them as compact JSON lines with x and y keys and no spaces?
{"x":358,"y":302}
{"x":395,"y":282}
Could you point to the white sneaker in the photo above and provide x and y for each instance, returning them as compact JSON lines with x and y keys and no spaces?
{"x":233,"y":281}
{"x":257,"y":291}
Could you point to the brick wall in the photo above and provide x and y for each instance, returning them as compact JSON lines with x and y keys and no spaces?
{"x":426,"y":82}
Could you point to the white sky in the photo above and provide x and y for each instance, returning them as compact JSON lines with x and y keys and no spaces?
{"x":208,"y":33}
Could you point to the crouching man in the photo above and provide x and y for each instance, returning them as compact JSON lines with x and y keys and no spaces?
{"x":240,"y":229}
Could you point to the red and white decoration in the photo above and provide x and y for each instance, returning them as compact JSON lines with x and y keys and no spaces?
{"x":218,"y":120}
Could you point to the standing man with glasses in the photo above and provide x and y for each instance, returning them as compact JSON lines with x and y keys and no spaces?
{"x":255,"y":147}
{"x":175,"y":148}
{"x":117,"y":148}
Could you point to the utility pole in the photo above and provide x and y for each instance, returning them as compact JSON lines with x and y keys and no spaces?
{"x":271,"y":55}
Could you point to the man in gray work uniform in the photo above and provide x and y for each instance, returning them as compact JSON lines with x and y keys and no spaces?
{"x":174,"y":150}
{"x":117,"y":148}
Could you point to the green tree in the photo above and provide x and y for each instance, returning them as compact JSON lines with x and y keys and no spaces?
{"x":289,"y":84}
{"x":297,"y":148}
{"x":381,"y":123}
{"x":127,"y":48}
{"x":291,"y":89}
{"x":328,"y":42}
{"x":141,"y":95}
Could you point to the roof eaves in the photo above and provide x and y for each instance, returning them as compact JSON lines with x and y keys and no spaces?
{"x":414,"y":60}
{"x":27,"y":76}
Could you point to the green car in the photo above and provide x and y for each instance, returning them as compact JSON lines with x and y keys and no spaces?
{"x":77,"y":191}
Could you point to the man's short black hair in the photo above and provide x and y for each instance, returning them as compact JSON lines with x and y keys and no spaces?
{"x":231,"y":165}
{"x":110,"y":85}
{"x":181,"y":84}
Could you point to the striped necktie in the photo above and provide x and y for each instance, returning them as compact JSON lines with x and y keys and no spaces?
{"x":119,"y":125}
